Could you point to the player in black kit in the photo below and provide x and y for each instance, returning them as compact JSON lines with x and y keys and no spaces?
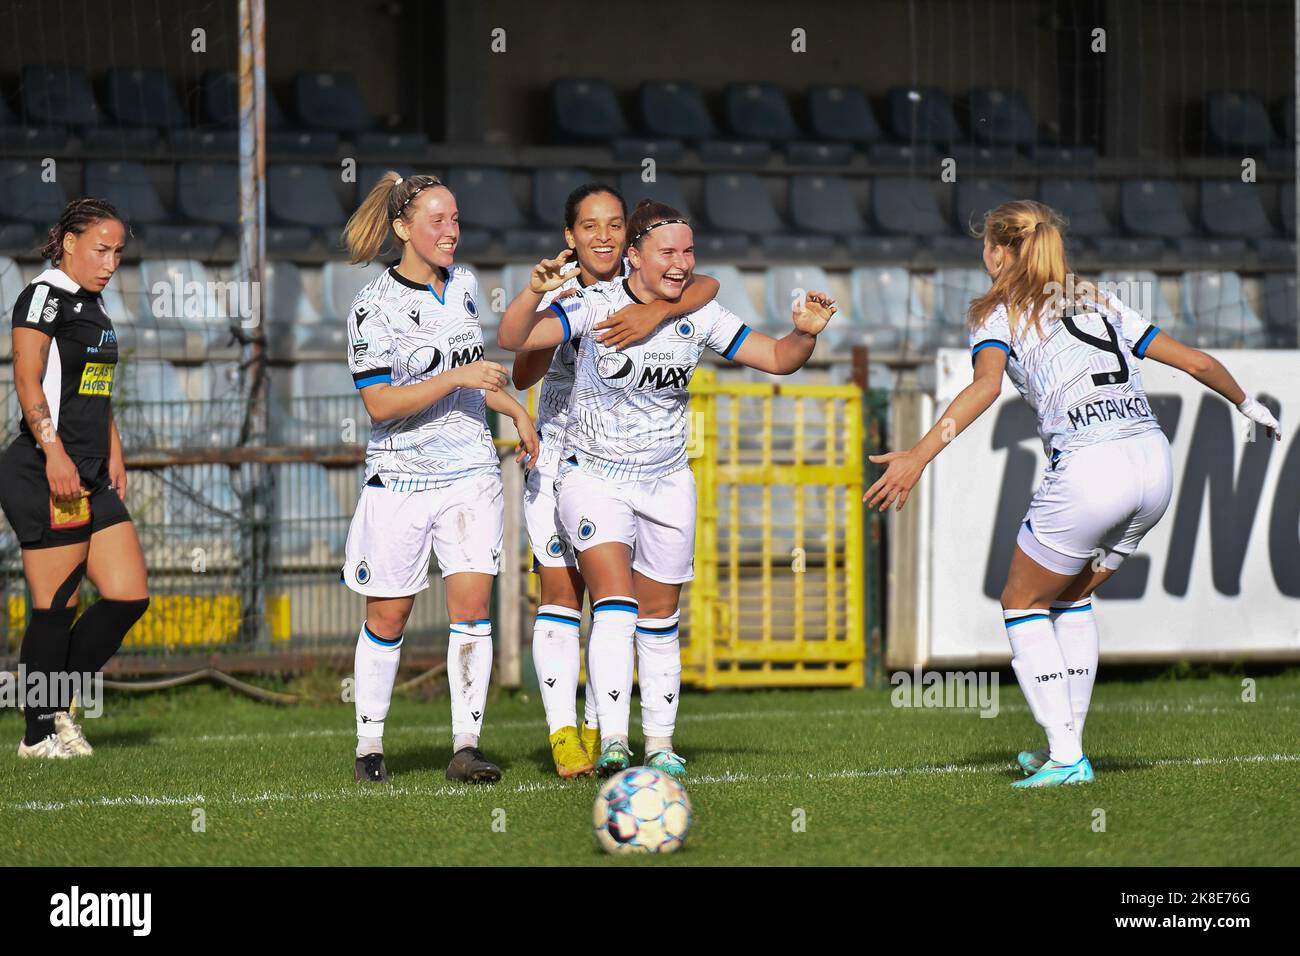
{"x":64,"y":476}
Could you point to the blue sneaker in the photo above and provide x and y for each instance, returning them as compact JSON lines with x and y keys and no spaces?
{"x":614,"y":758}
{"x":1054,"y":774}
{"x":1031,"y":761}
{"x":667,"y":762}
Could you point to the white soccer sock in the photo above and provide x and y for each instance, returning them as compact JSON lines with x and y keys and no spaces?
{"x":374,"y":670}
{"x":659,"y":670}
{"x":1076,"y":635}
{"x":469,"y":669}
{"x":556,"y":659}
{"x":609,"y":663}
{"x":1040,"y":669}
{"x":589,"y":702}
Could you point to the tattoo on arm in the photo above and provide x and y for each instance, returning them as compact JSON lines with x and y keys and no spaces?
{"x":40,"y":422}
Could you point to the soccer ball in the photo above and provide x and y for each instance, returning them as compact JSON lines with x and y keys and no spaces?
{"x":641,"y":810}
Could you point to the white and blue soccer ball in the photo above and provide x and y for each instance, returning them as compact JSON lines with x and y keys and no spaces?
{"x":641,"y":810}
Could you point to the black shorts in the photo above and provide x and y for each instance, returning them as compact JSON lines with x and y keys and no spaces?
{"x":25,"y":498}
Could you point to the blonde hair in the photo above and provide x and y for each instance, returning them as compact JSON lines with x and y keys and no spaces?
{"x":372,"y":224}
{"x":1034,"y":277}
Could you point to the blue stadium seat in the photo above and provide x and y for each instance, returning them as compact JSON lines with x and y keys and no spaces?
{"x":1079,"y":202}
{"x":586,"y":110}
{"x":303,"y":195}
{"x":804,"y":153}
{"x":1214,"y":304}
{"x":1286,"y":207}
{"x":734,"y":152}
{"x":759,"y":111}
{"x":130,"y":188}
{"x":905,"y":206}
{"x":139,"y":97}
{"x":635,"y":149}
{"x":710,"y":247}
{"x":886,"y":311}
{"x":204,"y":311}
{"x":1141,"y":290}
{"x":919,"y":156}
{"x":666,"y":189}
{"x":340,"y":282}
{"x":1128,"y":249}
{"x":1153,"y":207}
{"x":59,"y":96}
{"x":975,"y":197}
{"x":219,"y":95}
{"x":1279,"y":305}
{"x":208,"y":192}
{"x":739,"y":203}
{"x":676,"y":111}
{"x":1049,"y":156}
{"x":842,"y":114}
{"x":1286,"y":119}
{"x":1236,"y":121}
{"x":551,"y":187}
{"x":969,"y":156}
{"x":1196,"y":250}
{"x":824,"y":204}
{"x":923,"y":115}
{"x":154,"y":409}
{"x":1232,"y":208}
{"x":733,"y":297}
{"x":292,"y":320}
{"x":485,"y":196}
{"x":796,"y":247}
{"x":25,"y":197}
{"x":882,"y":248}
{"x":1001,"y":117}
{"x":953,"y":291}
{"x":333,"y":101}
{"x":782,"y":283}
{"x":15,"y":134}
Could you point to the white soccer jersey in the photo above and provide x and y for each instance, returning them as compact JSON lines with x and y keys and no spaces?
{"x":553,"y":402}
{"x":400,"y":332}
{"x":627,"y":416}
{"x":1079,"y":374}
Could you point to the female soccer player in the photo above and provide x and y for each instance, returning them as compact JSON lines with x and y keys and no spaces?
{"x":595,"y":218}
{"x":625,"y":492}
{"x":1108,"y":477}
{"x":433,"y":481}
{"x":64,"y":475}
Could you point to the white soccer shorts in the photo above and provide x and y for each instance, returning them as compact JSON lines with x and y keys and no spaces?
{"x":394,"y":532}
{"x":550,"y":546}
{"x":655,"y":517}
{"x":1098,"y":503}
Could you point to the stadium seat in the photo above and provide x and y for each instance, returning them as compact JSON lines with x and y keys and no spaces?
{"x":208,"y":192}
{"x":1214,"y":304}
{"x":137,"y":97}
{"x":782,"y":283}
{"x":733,"y":297}
{"x":486,"y":200}
{"x":974,"y":157}
{"x":1153,"y":207}
{"x":634,"y":149}
{"x":1001,"y":118}
{"x":801,"y":153}
{"x":1199,"y":249}
{"x":551,"y":187}
{"x":58,"y":96}
{"x":975,"y":197}
{"x":293,"y":325}
{"x":15,"y":134}
{"x":333,"y":101}
{"x":882,"y":248}
{"x":824,"y":204}
{"x":759,"y":111}
{"x":1232,"y":208}
{"x":905,"y":206}
{"x":340,"y":283}
{"x":1078,"y":201}
{"x":799,"y":248}
{"x":739,"y":203}
{"x":1140,"y":290}
{"x":1127,"y":249}
{"x":303,"y":196}
{"x":954,"y":289}
{"x":919,"y":114}
{"x":675,"y":111}
{"x":1047,"y":156}
{"x":842,"y":114}
{"x":885,"y":301}
{"x":586,"y":110}
{"x":26,"y":197}
{"x":219,"y":95}
{"x":1279,"y":306}
{"x":183,"y":293}
{"x":129,"y":187}
{"x":1286,"y":207}
{"x":12,"y":283}
{"x":1235,"y":121}
{"x":901,"y":155}
{"x":666,"y":188}
{"x":153,"y":409}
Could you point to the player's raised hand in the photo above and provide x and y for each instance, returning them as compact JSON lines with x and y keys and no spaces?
{"x":550,"y":273}
{"x":629,"y":324}
{"x":482,"y":374}
{"x":892,"y":488}
{"x":812,"y":312}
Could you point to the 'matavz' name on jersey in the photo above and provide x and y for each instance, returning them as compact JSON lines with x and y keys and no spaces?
{"x":1109,"y":410}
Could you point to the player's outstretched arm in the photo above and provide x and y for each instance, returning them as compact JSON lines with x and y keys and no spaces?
{"x":1210,"y":372}
{"x":634,"y":322}
{"x":506,"y":404}
{"x":789,"y":354}
{"x":385,"y":402}
{"x":523,"y":328}
{"x":905,"y":467}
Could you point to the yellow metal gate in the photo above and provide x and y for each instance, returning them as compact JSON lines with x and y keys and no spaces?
{"x":777,"y":599}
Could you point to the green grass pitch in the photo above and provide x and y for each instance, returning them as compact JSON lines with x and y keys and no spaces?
{"x":1187,"y":773}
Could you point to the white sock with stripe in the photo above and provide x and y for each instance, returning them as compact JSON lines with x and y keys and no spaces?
{"x":374,"y":670}
{"x":659,"y":671}
{"x":589,"y":701}
{"x":469,"y":670}
{"x":609,"y":664}
{"x":557,"y":661}
{"x":1076,"y":635}
{"x":1040,"y":669}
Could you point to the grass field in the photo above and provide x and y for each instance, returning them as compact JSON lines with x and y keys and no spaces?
{"x":1187,"y":773}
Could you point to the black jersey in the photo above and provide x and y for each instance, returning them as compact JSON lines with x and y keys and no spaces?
{"x":78,"y":381}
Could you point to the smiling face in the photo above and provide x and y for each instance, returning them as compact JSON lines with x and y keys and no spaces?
{"x":597,"y":236}
{"x":431,"y":228}
{"x":664,"y":260}
{"x":92,"y":256}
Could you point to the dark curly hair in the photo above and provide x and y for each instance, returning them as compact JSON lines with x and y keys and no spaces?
{"x":78,"y":216}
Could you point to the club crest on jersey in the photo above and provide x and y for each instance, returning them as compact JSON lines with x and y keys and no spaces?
{"x":616,"y":369}
{"x":586,"y":528}
{"x":685,"y":328}
{"x":470,"y":307}
{"x":555,"y":547}
{"x":363,"y":573}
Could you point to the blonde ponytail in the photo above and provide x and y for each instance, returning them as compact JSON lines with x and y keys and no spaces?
{"x":1036,"y":274}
